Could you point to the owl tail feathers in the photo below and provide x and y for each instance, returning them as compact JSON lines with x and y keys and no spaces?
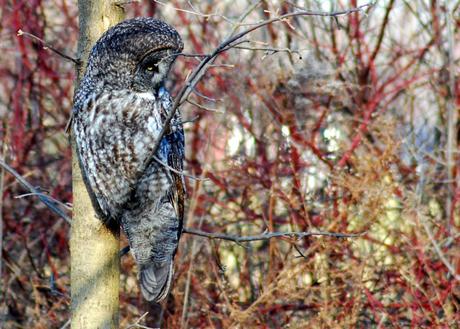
{"x":155,"y":280}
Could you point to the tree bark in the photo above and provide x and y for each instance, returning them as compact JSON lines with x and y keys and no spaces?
{"x":94,"y":247}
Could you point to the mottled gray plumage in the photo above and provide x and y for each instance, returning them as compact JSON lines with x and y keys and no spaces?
{"x":119,"y":110}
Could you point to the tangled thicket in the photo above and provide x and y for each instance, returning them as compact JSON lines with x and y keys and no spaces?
{"x":314,"y":123}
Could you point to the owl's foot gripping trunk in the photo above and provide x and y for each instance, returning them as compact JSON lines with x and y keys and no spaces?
{"x":155,"y":280}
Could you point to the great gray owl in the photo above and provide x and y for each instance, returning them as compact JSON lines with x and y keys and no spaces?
{"x":119,"y":111}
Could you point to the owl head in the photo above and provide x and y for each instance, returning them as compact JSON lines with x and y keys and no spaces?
{"x":135,"y":54}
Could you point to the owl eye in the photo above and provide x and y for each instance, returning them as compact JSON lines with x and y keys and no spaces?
{"x":152,"y":66}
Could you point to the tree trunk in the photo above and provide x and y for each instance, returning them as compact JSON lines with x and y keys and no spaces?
{"x":95,"y":270}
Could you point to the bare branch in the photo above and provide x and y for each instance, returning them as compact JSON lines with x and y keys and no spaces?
{"x":301,"y":255}
{"x":382,"y":30}
{"x":209,"y":99}
{"x":43,"y":197}
{"x":259,"y":237}
{"x":270,"y":50}
{"x":46,"y":45}
{"x":437,"y":248}
{"x":178,"y":171}
{"x":138,"y":324}
{"x":234,"y":45}
{"x":268,"y":236}
{"x":194,"y":119}
{"x":204,"y":107}
{"x":191,"y":55}
{"x":194,"y":11}
{"x":62,"y":204}
{"x":66,"y":325}
{"x":123,"y":251}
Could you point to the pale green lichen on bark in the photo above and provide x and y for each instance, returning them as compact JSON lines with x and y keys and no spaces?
{"x":95,"y":273}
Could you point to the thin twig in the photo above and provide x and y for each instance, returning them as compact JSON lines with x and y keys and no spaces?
{"x":62,"y":204}
{"x":235,"y":45}
{"x":123,"y":251}
{"x":452,"y":115}
{"x":137,"y":323}
{"x":192,"y":120}
{"x":46,"y":45}
{"x":2,"y":186}
{"x":209,"y":99}
{"x":65,"y":325}
{"x":437,"y":248}
{"x":191,"y":55}
{"x":301,"y":255}
{"x":43,"y":197}
{"x":268,"y":236}
{"x":178,"y":171}
{"x":225,"y":66}
{"x":204,"y":107}
{"x":197,"y":13}
{"x":269,"y":49}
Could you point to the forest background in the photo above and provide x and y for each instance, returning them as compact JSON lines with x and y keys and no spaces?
{"x":346,"y":124}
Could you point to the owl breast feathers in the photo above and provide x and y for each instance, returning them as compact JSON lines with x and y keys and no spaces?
{"x":119,"y":111}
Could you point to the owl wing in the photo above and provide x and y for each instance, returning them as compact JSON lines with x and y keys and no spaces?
{"x":115,"y":135}
{"x":115,"y":139}
{"x":176,"y":158}
{"x":172,"y":149}
{"x":160,"y":214}
{"x":162,"y":223}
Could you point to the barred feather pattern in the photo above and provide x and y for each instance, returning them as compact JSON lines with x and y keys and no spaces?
{"x":115,"y":134}
{"x":117,"y":119}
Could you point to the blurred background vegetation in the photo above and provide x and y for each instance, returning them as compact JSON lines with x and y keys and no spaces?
{"x":314,"y":123}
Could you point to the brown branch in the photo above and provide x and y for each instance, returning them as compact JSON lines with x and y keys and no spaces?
{"x":178,"y":171}
{"x":264,"y":236}
{"x":270,"y":50}
{"x":43,"y":197}
{"x":209,"y":99}
{"x":138,"y":324}
{"x":382,"y":31}
{"x":192,"y":120}
{"x":204,"y":107}
{"x":46,"y":45}
{"x":62,"y":204}
{"x":268,"y":236}
{"x":194,"y":11}
{"x":66,"y":324}
{"x":191,"y":55}
{"x":437,"y":248}
{"x":234,"y":45}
